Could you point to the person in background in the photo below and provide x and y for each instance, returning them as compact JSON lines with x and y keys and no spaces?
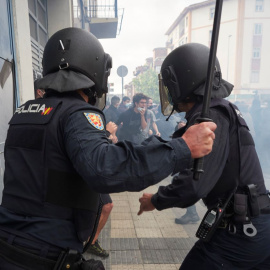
{"x":264,"y":138}
{"x":191,"y":215}
{"x":256,"y":114}
{"x":243,"y":109}
{"x":107,"y":206}
{"x":136,"y":121}
{"x":112,"y":113}
{"x":106,"y":202}
{"x":149,"y":103}
{"x":153,"y":127}
{"x":39,"y":93}
{"x":124,"y":104}
{"x":108,"y":104}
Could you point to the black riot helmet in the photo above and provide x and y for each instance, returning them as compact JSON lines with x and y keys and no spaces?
{"x":74,"y":59}
{"x":183,"y":75}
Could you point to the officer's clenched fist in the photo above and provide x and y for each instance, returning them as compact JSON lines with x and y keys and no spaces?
{"x":200,"y":138}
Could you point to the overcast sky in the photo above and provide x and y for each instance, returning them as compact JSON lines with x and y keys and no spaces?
{"x":144,"y":25}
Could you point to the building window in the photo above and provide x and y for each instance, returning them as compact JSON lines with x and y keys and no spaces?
{"x":255,"y":75}
{"x":256,"y":53}
{"x":38,"y":21}
{"x":181,"y":28}
{"x":259,"y":5}
{"x":33,"y":28}
{"x":212,"y":13}
{"x":186,"y":21}
{"x":210,"y":37}
{"x":181,"y":42}
{"x":258,"y":29}
{"x":181,"y":33}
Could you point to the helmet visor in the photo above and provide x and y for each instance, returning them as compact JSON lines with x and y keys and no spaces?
{"x":107,"y":72}
{"x":165,"y":97}
{"x":101,"y":102}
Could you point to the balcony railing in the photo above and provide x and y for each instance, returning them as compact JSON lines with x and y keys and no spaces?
{"x":97,"y":9}
{"x":101,"y":17}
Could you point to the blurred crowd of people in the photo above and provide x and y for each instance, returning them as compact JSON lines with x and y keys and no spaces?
{"x":257,"y":116}
{"x":138,"y":118}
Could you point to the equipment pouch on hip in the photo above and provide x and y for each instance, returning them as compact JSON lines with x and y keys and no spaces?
{"x":253,"y":200}
{"x":240,"y":208}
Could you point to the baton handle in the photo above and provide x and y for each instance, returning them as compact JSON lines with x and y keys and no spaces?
{"x":198,"y":168}
{"x":198,"y":162}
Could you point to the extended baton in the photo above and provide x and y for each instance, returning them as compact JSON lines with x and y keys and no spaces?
{"x":204,"y":117}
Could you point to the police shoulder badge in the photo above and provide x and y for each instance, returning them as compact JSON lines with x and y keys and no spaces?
{"x":95,"y":120}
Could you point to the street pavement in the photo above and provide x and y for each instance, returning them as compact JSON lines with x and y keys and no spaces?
{"x":151,"y":241}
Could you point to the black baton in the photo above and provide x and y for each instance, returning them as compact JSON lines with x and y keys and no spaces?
{"x":204,"y":117}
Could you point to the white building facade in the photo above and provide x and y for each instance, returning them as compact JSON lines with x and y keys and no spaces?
{"x":244,"y":40}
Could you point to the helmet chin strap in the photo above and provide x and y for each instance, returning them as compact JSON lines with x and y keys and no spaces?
{"x":173,"y":109}
{"x":92,"y":99}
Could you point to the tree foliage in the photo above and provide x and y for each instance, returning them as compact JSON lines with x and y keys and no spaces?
{"x":147,"y":83}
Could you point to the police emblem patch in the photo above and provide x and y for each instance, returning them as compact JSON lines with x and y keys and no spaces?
{"x":95,"y":120}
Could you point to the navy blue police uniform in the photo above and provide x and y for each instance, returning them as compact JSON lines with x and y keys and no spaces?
{"x":57,"y":161}
{"x":232,"y":165}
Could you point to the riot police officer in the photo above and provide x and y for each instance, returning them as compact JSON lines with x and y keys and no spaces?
{"x":58,"y":158}
{"x":232,"y":178}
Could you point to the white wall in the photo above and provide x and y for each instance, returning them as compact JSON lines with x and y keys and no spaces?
{"x":23,"y":49}
{"x":59,"y":15}
{"x":226,"y":51}
{"x":250,"y":8}
{"x":251,"y":18}
{"x":202,"y":25}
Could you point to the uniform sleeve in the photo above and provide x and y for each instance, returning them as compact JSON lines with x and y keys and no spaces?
{"x":184,"y":191}
{"x":124,"y":166}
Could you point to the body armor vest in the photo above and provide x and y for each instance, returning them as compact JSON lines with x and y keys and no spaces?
{"x":39,"y":178}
